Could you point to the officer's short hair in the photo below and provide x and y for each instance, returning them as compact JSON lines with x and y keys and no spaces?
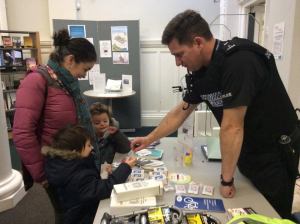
{"x":185,"y":26}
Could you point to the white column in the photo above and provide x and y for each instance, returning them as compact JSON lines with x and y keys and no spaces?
{"x":11,"y":181}
{"x":3,"y":18}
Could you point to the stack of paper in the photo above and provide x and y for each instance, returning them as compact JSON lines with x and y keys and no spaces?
{"x":150,"y":153}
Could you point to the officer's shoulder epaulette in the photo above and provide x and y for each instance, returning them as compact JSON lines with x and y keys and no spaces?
{"x":236,"y":44}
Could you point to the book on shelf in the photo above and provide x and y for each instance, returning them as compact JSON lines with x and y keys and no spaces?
{"x":7,"y":41}
{"x":10,"y":100}
{"x":27,"y":40}
{"x":16,"y":41}
{"x":5,"y":103}
{"x":11,"y":57}
{"x":8,"y":123}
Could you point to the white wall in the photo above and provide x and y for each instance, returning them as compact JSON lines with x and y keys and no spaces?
{"x":158,"y":70}
{"x":157,"y":65}
{"x":3,"y":18}
{"x":294,"y":79}
{"x":158,"y":75}
{"x":29,"y":15}
{"x":153,"y":14}
{"x":276,"y":12}
{"x":229,"y":20}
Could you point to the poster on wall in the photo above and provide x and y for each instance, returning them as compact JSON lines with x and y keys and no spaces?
{"x":119,"y":38}
{"x":105,"y":48}
{"x":127,"y":82}
{"x":91,"y":40}
{"x":120,"y":58}
{"x":77,"y":31}
{"x":278,"y":36}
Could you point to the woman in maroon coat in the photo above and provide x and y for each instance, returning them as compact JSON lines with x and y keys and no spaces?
{"x":48,"y":99}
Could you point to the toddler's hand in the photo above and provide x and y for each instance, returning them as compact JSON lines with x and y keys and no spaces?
{"x":131,"y":161}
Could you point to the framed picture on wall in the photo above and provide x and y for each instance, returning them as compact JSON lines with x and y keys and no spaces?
{"x":77,"y":31}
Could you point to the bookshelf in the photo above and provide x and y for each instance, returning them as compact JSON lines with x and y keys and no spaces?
{"x":16,"y":47}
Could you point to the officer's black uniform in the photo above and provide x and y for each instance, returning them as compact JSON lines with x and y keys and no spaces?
{"x":242,"y":73}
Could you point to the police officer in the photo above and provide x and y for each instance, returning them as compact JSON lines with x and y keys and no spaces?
{"x":239,"y":82}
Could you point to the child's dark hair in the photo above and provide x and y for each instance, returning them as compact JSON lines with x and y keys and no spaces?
{"x":99,"y":108}
{"x":72,"y":137}
{"x":81,"y":48}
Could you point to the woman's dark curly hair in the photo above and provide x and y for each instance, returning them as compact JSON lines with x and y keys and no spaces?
{"x":80,"y":48}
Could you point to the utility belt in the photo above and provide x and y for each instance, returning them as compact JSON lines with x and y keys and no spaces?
{"x":290,"y":148}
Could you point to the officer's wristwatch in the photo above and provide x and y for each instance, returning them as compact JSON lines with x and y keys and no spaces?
{"x":227,"y":183}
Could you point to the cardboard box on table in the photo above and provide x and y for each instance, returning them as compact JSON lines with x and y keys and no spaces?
{"x":138,"y":189}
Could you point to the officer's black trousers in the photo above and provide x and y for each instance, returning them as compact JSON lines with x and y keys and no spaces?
{"x":271,"y":175}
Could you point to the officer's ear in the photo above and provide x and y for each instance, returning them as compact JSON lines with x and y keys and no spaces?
{"x":199,"y":41}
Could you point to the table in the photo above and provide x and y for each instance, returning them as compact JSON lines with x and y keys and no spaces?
{"x":207,"y":173}
{"x":108,"y":95}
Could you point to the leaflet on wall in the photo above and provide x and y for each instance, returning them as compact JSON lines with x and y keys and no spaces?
{"x":127,"y":83}
{"x":120,"y":58}
{"x":119,"y":38}
{"x":278,"y":36}
{"x":93,"y":73}
{"x":105,"y":48}
{"x":91,"y":40}
{"x":77,"y":31}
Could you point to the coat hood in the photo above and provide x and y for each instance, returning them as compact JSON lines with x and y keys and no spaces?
{"x":61,"y":165}
{"x":64,"y":154}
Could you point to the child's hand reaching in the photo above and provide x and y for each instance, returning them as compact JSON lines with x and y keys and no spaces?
{"x":109,"y":131}
{"x":112,"y":129}
{"x":131,"y":161}
{"x":108,"y":168}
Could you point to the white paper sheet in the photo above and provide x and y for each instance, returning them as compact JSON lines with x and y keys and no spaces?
{"x":105,"y":48}
{"x":127,"y":83}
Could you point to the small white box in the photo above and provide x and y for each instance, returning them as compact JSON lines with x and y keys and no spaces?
{"x":131,"y":205}
{"x":138,"y":189}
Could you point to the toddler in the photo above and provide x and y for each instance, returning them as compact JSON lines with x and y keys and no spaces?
{"x":110,"y":138}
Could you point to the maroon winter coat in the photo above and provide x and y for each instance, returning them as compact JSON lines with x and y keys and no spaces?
{"x":41,"y":110}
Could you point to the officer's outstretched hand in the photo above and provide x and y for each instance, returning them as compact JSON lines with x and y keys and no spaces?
{"x":227,"y":191}
{"x":139,"y":143}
